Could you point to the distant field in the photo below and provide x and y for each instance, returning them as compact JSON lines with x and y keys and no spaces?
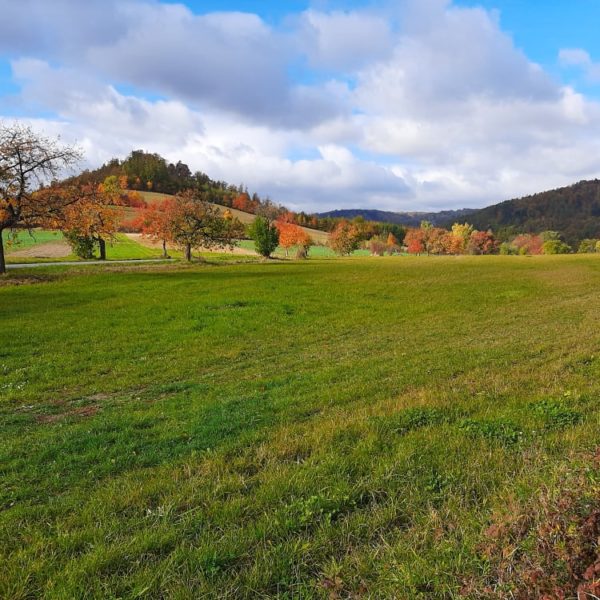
{"x":33,"y":249}
{"x":362,"y":428}
{"x":25,"y":239}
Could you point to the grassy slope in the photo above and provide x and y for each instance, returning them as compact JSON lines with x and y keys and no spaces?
{"x":286,"y":429}
{"x":319,"y":237}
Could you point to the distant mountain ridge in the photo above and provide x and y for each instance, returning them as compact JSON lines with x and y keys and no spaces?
{"x":410,"y":219}
{"x":573,"y":210}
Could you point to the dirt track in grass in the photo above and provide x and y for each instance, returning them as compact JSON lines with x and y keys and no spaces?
{"x":56,"y":249}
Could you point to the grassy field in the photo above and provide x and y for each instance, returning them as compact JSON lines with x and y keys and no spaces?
{"x":24,"y":239}
{"x":121,"y":248}
{"x":124,"y":248}
{"x":314,"y":252}
{"x":362,"y":428}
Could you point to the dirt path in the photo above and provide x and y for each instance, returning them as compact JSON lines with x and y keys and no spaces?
{"x":137,"y":237}
{"x":48,"y":250}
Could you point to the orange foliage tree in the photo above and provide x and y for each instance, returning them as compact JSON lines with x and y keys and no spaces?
{"x":95,"y":215}
{"x":291,"y":235}
{"x":415,"y":241}
{"x":344,"y":238}
{"x":154,"y":222}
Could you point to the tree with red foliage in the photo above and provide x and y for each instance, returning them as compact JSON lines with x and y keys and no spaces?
{"x":154,"y":223}
{"x":528,"y":243}
{"x":243,"y":203}
{"x":482,"y":242}
{"x":415,"y":241}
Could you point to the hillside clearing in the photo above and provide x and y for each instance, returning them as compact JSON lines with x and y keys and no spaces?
{"x":319,"y":429}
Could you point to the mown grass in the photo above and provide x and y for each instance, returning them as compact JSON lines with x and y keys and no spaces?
{"x":120,"y":248}
{"x":25,"y":239}
{"x":324,"y":429}
{"x":317,"y":251}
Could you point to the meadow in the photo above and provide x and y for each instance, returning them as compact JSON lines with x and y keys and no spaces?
{"x":400,"y":427}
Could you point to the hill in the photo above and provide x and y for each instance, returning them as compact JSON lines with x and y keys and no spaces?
{"x":409,"y":219}
{"x":319,"y":237}
{"x":573,"y":210}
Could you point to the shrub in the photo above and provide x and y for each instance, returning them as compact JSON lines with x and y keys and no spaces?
{"x":265,"y":235}
{"x":82,"y":245}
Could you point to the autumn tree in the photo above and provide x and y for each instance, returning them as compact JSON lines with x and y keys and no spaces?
{"x":437,"y":240}
{"x":482,"y":242}
{"x":194,"y":223}
{"x":96,"y":215}
{"x":459,"y":241}
{"x":304,"y":243}
{"x":291,"y":235}
{"x":527,"y":243}
{"x":377,"y":246}
{"x":29,"y":161}
{"x":265,"y":235}
{"x":392,"y":244}
{"x":415,"y":241}
{"x":154,"y":222}
{"x":345,"y":238}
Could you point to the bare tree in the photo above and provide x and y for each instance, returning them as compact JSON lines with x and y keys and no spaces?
{"x":28,"y":161}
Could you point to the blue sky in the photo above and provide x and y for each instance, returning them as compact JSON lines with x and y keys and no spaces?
{"x":399,"y":105}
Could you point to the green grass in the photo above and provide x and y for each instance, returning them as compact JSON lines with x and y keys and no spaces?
{"x":121,"y":248}
{"x":124,"y":248}
{"x":314,"y":252}
{"x":24,"y":239}
{"x":318,"y":429}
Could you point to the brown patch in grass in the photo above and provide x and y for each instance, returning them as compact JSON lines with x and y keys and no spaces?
{"x":81,"y":412}
{"x":58,"y":249}
{"x":22,"y":279}
{"x":548,"y":549}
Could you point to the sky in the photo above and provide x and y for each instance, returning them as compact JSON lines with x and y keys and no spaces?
{"x":320,"y":104}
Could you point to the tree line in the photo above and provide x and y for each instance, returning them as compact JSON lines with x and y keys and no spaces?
{"x":87,"y":212}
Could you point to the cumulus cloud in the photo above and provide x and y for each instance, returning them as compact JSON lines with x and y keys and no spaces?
{"x":344,"y":40}
{"x":418,"y":105}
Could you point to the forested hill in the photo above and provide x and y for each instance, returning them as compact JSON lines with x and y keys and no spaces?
{"x":574,"y":211}
{"x":408,"y":219}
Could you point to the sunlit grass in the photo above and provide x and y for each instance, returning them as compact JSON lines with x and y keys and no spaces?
{"x":310,"y":429}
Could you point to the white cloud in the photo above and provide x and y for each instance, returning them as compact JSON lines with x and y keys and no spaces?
{"x":576,"y":57}
{"x":344,"y":40}
{"x":429,"y":105}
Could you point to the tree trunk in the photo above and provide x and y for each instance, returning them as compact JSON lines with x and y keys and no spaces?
{"x":102,"y":245}
{"x":2,"y":261}
{"x":188,"y":252}
{"x":164,"y":245}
